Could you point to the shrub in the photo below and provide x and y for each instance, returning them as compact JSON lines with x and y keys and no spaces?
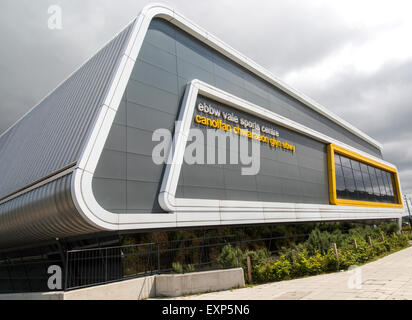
{"x":256,"y":257}
{"x":306,"y":264}
{"x":273,"y":270}
{"x":331,"y":262}
{"x":263,"y":273}
{"x":281,"y":269}
{"x":321,"y":241}
{"x":190,"y":268}
{"x":230,"y":257}
{"x":316,"y":256}
{"x":390,"y":228}
{"x":177,"y":267}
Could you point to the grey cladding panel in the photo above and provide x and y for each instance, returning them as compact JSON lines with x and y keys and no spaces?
{"x":146,"y":118}
{"x":283,"y":176}
{"x":155,"y":76}
{"x":144,"y":94}
{"x":110,"y":192}
{"x":112,"y":165}
{"x":142,"y":196}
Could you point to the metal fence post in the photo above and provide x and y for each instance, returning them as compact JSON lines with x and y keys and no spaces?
{"x":158,"y":258}
{"x":105,"y":276}
{"x":66,"y":271}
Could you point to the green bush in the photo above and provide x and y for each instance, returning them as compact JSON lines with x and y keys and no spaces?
{"x":308,"y":264}
{"x":177,"y":267}
{"x":190,"y":268}
{"x":321,"y":241}
{"x":390,"y":228}
{"x":274,"y":270}
{"x":230,"y":257}
{"x":316,"y":256}
{"x":256,"y":257}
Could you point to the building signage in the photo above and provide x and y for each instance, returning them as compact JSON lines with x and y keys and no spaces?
{"x":214,"y":117}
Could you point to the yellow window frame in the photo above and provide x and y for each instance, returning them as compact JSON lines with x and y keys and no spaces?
{"x":332,"y":149}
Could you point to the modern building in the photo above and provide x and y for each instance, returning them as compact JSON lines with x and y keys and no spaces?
{"x":84,"y":160}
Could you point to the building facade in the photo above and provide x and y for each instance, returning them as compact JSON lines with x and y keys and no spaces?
{"x":168,"y":127}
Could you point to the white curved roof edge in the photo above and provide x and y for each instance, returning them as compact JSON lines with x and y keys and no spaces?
{"x":164,"y":11}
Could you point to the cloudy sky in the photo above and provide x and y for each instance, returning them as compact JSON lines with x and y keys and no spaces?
{"x":353,"y":57}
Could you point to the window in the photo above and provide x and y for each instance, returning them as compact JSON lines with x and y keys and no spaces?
{"x":358,"y":181}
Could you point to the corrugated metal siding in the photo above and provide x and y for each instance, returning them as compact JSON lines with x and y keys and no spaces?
{"x":42,"y":214}
{"x":52,"y":134}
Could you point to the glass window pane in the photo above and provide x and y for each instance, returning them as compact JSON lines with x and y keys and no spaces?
{"x":364,"y":167}
{"x":340,"y":183}
{"x":338,"y":171}
{"x":347,"y":172}
{"x":359,"y":185}
{"x":357,"y":174}
{"x":390,"y":184}
{"x":337,"y":159}
{"x":386,"y":183}
{"x":380,"y":181}
{"x":374,"y":181}
{"x":385,"y":186}
{"x":355,"y":165}
{"x":358,"y":181}
{"x":367,"y":182}
{"x":345,"y":162}
{"x":394,"y":190}
{"x":350,"y":184}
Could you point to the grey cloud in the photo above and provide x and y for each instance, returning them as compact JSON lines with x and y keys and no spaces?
{"x":279,"y":35}
{"x":380,"y":104}
{"x":406,"y":182}
{"x":34,"y":59}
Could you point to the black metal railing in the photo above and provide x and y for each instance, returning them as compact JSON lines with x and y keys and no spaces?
{"x":90,"y":267}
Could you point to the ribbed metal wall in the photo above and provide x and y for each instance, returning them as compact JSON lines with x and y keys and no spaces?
{"x":45,"y":213}
{"x":51,"y":135}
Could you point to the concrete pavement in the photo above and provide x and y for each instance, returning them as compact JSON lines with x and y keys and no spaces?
{"x":387,"y":278}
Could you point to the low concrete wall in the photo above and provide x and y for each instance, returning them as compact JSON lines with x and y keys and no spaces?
{"x":168,"y":285}
{"x":174,"y":285}
{"x":134,"y":289}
